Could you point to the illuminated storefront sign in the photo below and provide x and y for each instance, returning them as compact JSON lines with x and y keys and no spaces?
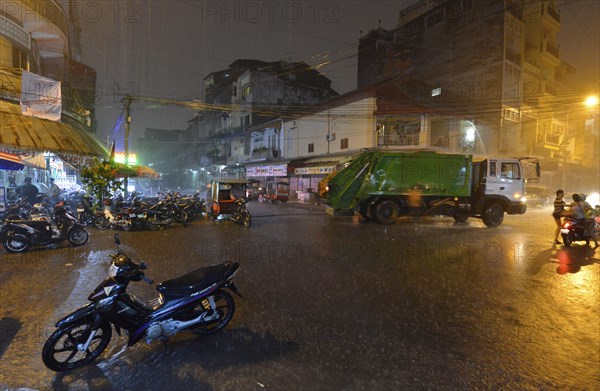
{"x":274,"y":170}
{"x":314,"y":170}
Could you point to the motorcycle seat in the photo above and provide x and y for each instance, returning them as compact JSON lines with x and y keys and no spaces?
{"x":193,"y":281}
{"x":32,"y":223}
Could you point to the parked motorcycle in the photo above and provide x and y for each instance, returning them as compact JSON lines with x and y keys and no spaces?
{"x":85,"y":211}
{"x":238,"y":213}
{"x":16,"y":211}
{"x":195,"y":302}
{"x":193,"y":206}
{"x":573,"y":230}
{"x":18,"y":235}
{"x":124,"y":218}
{"x":165,"y":213}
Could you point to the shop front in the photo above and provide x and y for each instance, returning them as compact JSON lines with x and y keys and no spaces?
{"x":264,"y":177}
{"x":309,"y":173}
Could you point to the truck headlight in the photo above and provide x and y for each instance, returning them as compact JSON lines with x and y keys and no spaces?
{"x":524,"y":199}
{"x":517,"y":195}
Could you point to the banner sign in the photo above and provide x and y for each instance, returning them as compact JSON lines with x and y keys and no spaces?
{"x":2,"y":199}
{"x":40,"y":97}
{"x":275,"y":170}
{"x":314,"y":170}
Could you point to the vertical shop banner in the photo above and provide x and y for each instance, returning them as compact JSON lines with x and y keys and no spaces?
{"x":2,"y":199}
{"x":40,"y":97}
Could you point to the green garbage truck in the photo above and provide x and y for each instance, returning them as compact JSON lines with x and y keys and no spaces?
{"x":384,"y":185}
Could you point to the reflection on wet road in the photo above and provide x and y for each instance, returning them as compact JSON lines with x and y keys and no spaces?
{"x":331,"y":304}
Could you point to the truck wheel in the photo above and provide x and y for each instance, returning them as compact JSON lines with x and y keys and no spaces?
{"x":493,"y":214}
{"x":363,"y":210}
{"x":386,"y":212}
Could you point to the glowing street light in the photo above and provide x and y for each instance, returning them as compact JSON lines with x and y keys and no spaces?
{"x":591,"y":101}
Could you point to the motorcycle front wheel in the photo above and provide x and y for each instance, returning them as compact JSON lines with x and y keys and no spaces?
{"x":78,"y":236}
{"x":15,"y":243}
{"x":60,"y":352}
{"x":225,"y":306}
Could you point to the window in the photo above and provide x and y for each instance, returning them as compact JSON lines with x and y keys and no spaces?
{"x":510,"y":171}
{"x":434,"y":19}
{"x":20,"y":59}
{"x":467,"y":5}
{"x":311,"y":147}
{"x":493,"y":168}
{"x":344,"y":143}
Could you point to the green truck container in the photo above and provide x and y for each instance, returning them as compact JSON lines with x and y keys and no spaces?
{"x":385,"y":185}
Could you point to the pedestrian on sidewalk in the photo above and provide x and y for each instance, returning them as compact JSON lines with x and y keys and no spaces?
{"x":54,"y":192}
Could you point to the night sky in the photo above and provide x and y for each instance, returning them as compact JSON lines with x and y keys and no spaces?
{"x":164,"y":48}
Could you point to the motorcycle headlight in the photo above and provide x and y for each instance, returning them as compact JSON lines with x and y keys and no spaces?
{"x":112,"y":270}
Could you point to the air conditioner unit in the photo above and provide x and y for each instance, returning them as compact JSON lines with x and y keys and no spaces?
{"x":330,"y":137}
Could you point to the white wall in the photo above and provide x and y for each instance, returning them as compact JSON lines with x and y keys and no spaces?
{"x":354,"y":121}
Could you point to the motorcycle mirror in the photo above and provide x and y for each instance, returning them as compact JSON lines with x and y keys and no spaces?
{"x":143,"y":266}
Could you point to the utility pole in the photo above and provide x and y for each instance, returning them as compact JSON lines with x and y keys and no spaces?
{"x":127,"y":100}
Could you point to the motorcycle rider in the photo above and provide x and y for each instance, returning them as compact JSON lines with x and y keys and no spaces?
{"x":575,"y":208}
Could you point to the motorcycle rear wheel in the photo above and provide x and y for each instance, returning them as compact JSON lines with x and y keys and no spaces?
{"x":15,"y":243}
{"x":128,"y":225}
{"x":225,"y":306}
{"x":183,"y":218}
{"x":568,"y":239}
{"x":152,"y":226}
{"x":101,"y":222}
{"x":78,"y":236}
{"x":67,"y":347}
{"x":246,"y":218}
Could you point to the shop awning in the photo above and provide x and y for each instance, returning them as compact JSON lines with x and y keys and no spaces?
{"x":320,"y":165}
{"x":136,"y":171}
{"x":9,"y":161}
{"x":146,"y":172}
{"x":34,"y":134}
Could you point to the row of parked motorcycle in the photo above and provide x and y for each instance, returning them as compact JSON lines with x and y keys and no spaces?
{"x":25,"y":226}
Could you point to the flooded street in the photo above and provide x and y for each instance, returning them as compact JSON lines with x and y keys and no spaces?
{"x":330,"y":304}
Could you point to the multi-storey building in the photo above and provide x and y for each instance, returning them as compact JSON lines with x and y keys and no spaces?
{"x":241,"y":104}
{"x":497,"y":66}
{"x":41,"y":38}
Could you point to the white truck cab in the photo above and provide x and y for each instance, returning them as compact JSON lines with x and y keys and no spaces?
{"x":505,"y":177}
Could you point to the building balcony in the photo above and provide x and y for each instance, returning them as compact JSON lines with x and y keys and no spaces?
{"x":513,"y":57}
{"x":265,"y":154}
{"x":549,"y":55}
{"x":550,"y":18}
{"x":47,"y":24}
